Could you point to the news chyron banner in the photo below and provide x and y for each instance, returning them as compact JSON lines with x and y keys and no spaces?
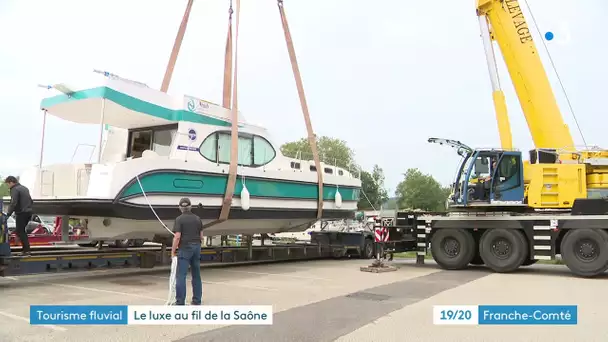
{"x":505,"y":315}
{"x":150,"y":315}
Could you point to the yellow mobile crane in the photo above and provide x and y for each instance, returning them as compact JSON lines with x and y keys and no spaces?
{"x":524,"y":211}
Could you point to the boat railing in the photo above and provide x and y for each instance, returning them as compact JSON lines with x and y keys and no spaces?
{"x":85,"y":145}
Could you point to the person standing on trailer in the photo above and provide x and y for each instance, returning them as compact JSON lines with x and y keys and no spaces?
{"x":21,"y":205}
{"x":188,"y":229}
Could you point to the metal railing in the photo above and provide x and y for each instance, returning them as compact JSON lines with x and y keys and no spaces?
{"x":87,"y":145}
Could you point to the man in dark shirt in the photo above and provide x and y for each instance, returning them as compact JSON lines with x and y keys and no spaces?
{"x":21,"y":205}
{"x":188,"y":229}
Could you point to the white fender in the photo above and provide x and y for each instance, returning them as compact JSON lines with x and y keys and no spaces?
{"x":338,"y":199}
{"x":245,"y":202}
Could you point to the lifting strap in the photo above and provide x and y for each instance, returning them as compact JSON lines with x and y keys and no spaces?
{"x":234,"y":138}
{"x":176,"y":46}
{"x":311,"y":136}
{"x":228,"y":63}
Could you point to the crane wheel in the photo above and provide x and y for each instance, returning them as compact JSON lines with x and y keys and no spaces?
{"x":453,"y":249}
{"x":585,"y":251}
{"x":503,"y":250}
{"x":368,"y":249}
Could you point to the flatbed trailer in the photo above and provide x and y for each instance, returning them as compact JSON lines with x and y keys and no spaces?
{"x":324,"y":244}
{"x":505,"y":241}
{"x":149,"y":257}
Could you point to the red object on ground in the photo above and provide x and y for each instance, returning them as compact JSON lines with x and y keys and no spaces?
{"x":40,"y":237}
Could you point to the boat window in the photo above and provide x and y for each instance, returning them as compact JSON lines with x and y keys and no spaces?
{"x":209,"y":148}
{"x":340,"y":173}
{"x":157,"y":139}
{"x":253,"y":150}
{"x":313,"y":168}
{"x":245,"y":151}
{"x":295,"y":165}
{"x":162,"y":141}
{"x":328,"y":170}
{"x":140,"y":141}
{"x":263,"y":153}
{"x":223,"y":148}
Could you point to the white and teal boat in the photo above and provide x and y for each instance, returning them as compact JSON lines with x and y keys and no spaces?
{"x":160,"y":148}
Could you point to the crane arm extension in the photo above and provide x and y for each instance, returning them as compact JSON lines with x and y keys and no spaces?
{"x":502,"y":118}
{"x":176,"y":46}
{"x":228,"y":64}
{"x":234,"y":138}
{"x":311,"y":136}
{"x":538,"y":103}
{"x":500,"y":105}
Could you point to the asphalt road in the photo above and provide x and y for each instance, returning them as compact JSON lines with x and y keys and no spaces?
{"x":315,"y":301}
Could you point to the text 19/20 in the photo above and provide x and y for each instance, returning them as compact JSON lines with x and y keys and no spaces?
{"x":460,"y":315}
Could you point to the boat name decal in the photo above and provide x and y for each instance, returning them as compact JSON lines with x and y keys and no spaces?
{"x":187,"y":148}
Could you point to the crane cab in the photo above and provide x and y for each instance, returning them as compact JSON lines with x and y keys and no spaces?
{"x":486,"y":177}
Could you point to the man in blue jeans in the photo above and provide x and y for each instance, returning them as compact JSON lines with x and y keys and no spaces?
{"x":188,"y":229}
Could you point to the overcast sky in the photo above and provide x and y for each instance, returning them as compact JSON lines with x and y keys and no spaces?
{"x":382,"y":75}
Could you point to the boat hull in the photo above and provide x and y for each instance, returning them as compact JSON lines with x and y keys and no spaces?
{"x":115,"y":220}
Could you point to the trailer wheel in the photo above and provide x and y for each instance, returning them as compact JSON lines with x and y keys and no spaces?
{"x":585,"y":251}
{"x":452,"y":249}
{"x":368,"y":249}
{"x":503,"y":250}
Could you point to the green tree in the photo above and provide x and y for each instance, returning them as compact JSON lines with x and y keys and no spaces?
{"x":331,"y":151}
{"x":372,"y":186}
{"x":421,"y":191}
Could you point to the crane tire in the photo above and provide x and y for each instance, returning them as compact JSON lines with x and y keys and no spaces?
{"x":368,"y":249}
{"x":585,"y":251}
{"x":503,"y":250}
{"x":453,"y":249}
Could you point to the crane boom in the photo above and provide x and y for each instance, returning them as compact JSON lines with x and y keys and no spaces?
{"x":509,"y":28}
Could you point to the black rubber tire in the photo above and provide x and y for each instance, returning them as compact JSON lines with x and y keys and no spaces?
{"x":368,"y":249}
{"x":529,"y":262}
{"x":464,"y":254}
{"x":514,"y":259}
{"x":572,"y":259}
